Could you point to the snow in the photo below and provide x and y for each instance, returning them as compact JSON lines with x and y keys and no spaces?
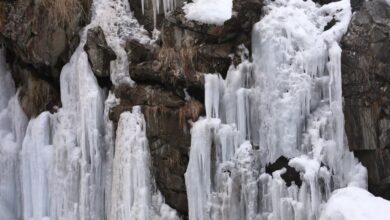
{"x":209,"y":11}
{"x":354,"y":203}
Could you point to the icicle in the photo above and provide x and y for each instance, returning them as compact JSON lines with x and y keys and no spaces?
{"x":167,"y":5}
{"x":13,"y":123}
{"x":36,"y":155}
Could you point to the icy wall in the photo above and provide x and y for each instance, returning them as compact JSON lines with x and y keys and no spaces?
{"x":282,"y":104}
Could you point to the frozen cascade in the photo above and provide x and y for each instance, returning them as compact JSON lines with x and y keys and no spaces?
{"x":135,"y":195}
{"x":287,"y":102}
{"x":60,"y":166}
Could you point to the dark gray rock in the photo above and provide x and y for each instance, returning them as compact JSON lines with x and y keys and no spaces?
{"x":99,"y":53}
{"x":366,"y":84}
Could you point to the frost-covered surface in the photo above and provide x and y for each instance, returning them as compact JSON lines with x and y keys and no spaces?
{"x":288,"y":102}
{"x":353,"y":203}
{"x":134,"y":195}
{"x":209,"y":11}
{"x":118,"y":24}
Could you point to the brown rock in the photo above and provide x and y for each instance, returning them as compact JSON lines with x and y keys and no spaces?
{"x":99,"y":53}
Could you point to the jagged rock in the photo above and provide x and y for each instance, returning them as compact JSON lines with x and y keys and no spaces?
{"x":355,"y":4}
{"x":291,"y":175}
{"x":366,"y":83}
{"x":99,"y":53}
{"x":38,"y":34}
{"x":40,"y":37}
{"x":168,"y":132}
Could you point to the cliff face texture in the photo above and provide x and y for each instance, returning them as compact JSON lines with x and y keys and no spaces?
{"x":39,"y":42}
{"x":39,"y":37}
{"x":366,"y":81}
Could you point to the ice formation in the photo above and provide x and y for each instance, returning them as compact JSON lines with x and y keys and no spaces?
{"x":166,"y":5}
{"x":209,"y":11}
{"x":287,"y":102}
{"x":13,"y":123}
{"x":134,"y":195}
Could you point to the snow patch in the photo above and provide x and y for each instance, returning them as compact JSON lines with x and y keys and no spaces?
{"x":209,"y":11}
{"x":354,"y":203}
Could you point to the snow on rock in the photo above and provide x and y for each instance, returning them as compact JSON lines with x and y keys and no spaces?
{"x":353,"y":203}
{"x":209,"y":11}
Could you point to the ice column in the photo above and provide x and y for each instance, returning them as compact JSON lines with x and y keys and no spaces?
{"x":134,"y":194}
{"x":36,"y":157}
{"x":13,"y":124}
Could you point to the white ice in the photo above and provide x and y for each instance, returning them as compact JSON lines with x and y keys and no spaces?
{"x":134,"y":194}
{"x":209,"y":11}
{"x":13,"y":123}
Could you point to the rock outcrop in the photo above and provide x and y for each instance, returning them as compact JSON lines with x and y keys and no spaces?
{"x":99,"y":53}
{"x":366,"y":86}
{"x":40,"y":36}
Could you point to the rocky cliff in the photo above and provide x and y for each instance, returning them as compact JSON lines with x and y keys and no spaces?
{"x":365,"y":67}
{"x":40,"y":37}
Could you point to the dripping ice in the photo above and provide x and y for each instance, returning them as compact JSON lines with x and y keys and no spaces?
{"x":286,"y":102}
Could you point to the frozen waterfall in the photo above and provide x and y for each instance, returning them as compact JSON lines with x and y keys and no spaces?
{"x":283,"y":102}
{"x":286,"y":102}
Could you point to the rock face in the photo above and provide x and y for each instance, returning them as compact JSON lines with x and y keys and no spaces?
{"x":40,"y":36}
{"x":99,"y":53}
{"x":366,"y":87}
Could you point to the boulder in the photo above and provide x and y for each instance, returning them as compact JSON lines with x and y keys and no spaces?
{"x":99,"y":53}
